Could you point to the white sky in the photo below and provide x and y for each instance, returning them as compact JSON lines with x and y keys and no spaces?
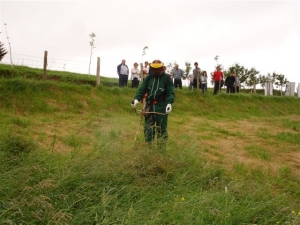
{"x":260,"y":34}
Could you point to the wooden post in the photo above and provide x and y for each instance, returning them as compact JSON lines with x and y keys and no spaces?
{"x":142,"y":73}
{"x":98,"y":72}
{"x":45,"y":64}
{"x":198,"y":78}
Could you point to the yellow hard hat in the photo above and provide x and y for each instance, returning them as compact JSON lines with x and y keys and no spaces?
{"x":156,"y":64}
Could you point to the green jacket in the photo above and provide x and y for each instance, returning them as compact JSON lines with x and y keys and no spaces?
{"x":159,"y":88}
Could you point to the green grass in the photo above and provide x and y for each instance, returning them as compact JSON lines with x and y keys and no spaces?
{"x":289,"y":137}
{"x":67,"y":156}
{"x":259,"y":152}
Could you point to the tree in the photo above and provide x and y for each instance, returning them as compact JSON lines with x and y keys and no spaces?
{"x":216,"y":58}
{"x":144,"y":52}
{"x":263,"y":80}
{"x":280,"y":80}
{"x":3,"y":52}
{"x":92,"y":35}
{"x":187,"y":70}
{"x":252,"y":79}
{"x":267,"y":80}
{"x":171,"y":68}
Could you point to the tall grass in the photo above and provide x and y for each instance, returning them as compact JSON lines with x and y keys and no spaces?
{"x":67,"y":156}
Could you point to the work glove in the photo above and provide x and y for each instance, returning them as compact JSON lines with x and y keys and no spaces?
{"x":134,"y":103}
{"x":168,"y":108}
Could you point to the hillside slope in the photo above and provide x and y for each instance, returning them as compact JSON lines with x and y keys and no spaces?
{"x":68,"y":156}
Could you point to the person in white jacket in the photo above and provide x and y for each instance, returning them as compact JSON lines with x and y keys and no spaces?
{"x":135,"y":76}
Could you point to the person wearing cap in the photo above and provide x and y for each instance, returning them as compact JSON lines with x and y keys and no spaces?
{"x":123,"y":73}
{"x":178,"y":75}
{"x":218,"y":77}
{"x":158,"y":88}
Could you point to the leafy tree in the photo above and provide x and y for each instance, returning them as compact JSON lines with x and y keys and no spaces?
{"x":3,"y":52}
{"x":92,"y":35}
{"x":144,"y":52}
{"x":187,"y":70}
{"x":280,"y":80}
{"x":171,"y":68}
{"x":262,"y":80}
{"x":252,"y":79}
{"x":265,"y":79}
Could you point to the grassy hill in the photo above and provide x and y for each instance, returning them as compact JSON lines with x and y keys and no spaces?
{"x":67,"y":156}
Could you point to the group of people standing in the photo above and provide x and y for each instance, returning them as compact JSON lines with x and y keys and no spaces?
{"x":198,"y":79}
{"x":135,"y":74}
{"x":231,"y":82}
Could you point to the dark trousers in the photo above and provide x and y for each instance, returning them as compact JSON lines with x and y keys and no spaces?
{"x":178,"y":83}
{"x":157,"y":124}
{"x":204,"y":87}
{"x":135,"y":83}
{"x":217,"y":87}
{"x":230,"y":89}
{"x":195,"y":83}
{"x":123,"y":79}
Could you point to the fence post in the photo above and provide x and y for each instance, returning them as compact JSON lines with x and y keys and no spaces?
{"x":198,"y":78}
{"x":45,"y":64}
{"x":98,"y":72}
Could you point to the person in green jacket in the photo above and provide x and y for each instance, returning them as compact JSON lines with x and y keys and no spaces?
{"x":158,"y":89}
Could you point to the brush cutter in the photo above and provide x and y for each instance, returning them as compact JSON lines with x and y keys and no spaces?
{"x":142,"y":113}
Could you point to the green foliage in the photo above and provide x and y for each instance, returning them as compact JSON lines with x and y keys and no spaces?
{"x":3,"y":52}
{"x":259,"y":152}
{"x":15,"y":145}
{"x":289,"y":137}
{"x":280,"y":80}
{"x":252,"y":78}
{"x":187,"y":69}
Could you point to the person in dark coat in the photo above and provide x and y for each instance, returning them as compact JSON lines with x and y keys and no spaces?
{"x":229,"y":83}
{"x":159,"y":90}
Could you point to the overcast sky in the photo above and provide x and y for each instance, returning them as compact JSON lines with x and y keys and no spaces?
{"x":260,"y":34}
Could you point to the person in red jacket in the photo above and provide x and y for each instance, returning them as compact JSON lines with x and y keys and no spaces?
{"x":218,"y":77}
